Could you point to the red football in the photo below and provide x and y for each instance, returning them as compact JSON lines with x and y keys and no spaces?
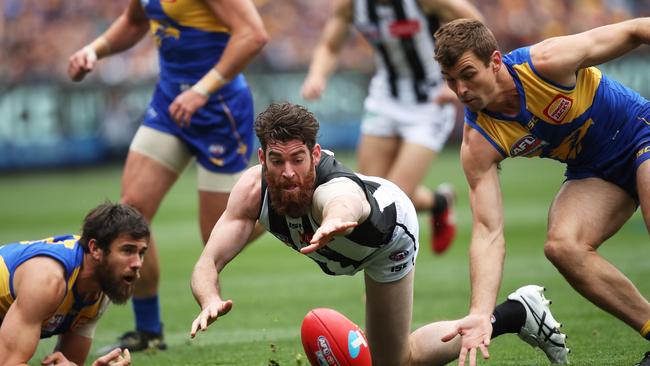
{"x":331,"y":339}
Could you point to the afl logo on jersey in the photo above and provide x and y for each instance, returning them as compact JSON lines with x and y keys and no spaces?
{"x":559,"y":108}
{"x":526,"y":145}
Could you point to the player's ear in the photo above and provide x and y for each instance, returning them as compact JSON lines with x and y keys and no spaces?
{"x":496,"y":61}
{"x":260,"y":155}
{"x":95,"y":251}
{"x":315,"y":154}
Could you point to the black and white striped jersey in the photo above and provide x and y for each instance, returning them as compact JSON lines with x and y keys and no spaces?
{"x":402,"y":36}
{"x":344,"y":254}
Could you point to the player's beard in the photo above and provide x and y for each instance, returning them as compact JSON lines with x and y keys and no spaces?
{"x":112,"y":284}
{"x":295,"y":203}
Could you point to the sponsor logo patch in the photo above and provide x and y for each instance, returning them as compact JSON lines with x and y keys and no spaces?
{"x":404,"y":28}
{"x":399,"y":256}
{"x":526,"y":146}
{"x":559,"y":108}
{"x":355,"y":342}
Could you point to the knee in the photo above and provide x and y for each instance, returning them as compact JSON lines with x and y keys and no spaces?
{"x":137,"y":203}
{"x":563,"y":252}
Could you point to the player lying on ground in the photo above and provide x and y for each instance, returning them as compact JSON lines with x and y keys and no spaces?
{"x":346,"y":223}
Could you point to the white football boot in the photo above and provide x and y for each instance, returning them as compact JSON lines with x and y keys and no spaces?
{"x":540,"y":328}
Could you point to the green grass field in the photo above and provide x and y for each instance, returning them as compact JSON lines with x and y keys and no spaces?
{"x":273,"y":287}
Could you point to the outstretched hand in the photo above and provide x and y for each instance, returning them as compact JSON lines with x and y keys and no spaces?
{"x":209,"y":314}
{"x":476,"y":332}
{"x":324,"y":234}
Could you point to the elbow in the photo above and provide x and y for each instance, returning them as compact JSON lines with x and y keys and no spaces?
{"x":260,"y":38}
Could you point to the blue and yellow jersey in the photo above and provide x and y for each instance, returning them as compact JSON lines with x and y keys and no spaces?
{"x":73,"y":314}
{"x":190,"y":38}
{"x":575,"y":124}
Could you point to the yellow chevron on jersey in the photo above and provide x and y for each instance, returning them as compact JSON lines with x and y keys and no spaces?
{"x":511,"y":137}
{"x":194,"y":14}
{"x":553,"y":119}
{"x":553,"y":102}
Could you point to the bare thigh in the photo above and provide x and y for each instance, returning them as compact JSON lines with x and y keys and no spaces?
{"x":586,"y":212}
{"x":211,"y":207}
{"x":376,"y":154}
{"x":145,"y":182}
{"x":411,"y":166}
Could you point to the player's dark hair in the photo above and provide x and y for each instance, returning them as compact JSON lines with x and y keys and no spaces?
{"x":282,"y":122}
{"x":107,"y":221}
{"x":455,"y":38}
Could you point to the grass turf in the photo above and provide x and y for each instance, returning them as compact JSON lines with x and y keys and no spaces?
{"x":273,"y":288}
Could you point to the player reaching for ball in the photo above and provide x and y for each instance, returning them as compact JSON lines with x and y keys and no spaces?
{"x":346,"y":223}
{"x":549,"y":100}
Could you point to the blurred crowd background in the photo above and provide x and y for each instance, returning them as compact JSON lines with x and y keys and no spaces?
{"x":38,"y":36}
{"x":47,"y":121}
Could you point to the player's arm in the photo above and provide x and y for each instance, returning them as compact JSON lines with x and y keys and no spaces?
{"x":328,"y":49}
{"x":74,"y":347}
{"x":487,"y":249}
{"x":342,"y":205}
{"x":559,"y":58}
{"x":247,"y":38}
{"x":75,"y":344}
{"x":448,"y":10}
{"x":127,"y":30}
{"x":39,"y":286}
{"x":228,"y":238}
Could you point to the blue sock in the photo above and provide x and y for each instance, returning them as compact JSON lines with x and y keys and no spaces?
{"x":147,"y":314}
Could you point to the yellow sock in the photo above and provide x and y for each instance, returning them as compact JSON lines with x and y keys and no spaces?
{"x":645,"y":331}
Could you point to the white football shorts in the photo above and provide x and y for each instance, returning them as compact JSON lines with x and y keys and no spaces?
{"x":425,"y":124}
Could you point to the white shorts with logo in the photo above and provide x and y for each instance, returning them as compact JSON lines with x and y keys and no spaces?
{"x":397,"y":258}
{"x":426,"y":124}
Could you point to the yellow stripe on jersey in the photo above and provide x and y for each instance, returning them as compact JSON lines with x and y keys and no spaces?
{"x":503,"y":133}
{"x":193,"y":13}
{"x":69,"y":243}
{"x":5,"y":290}
{"x":553,"y":103}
